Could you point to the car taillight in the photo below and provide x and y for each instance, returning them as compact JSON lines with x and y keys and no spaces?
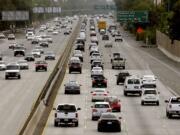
{"x":55,"y":115}
{"x":94,"y":110}
{"x":76,"y":115}
{"x":105,"y":94}
{"x":94,"y":94}
{"x":105,"y":81}
{"x":93,"y":81}
{"x":109,"y":110}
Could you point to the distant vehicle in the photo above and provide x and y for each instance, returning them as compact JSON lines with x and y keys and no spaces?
{"x":118,"y":38}
{"x":150,"y":95}
{"x":94,"y":39}
{"x":173,"y":107}
{"x":96,"y":71}
{"x":39,"y":48}
{"x":41,"y":65}
{"x":108,"y":44}
{"x":102,"y":31}
{"x":118,"y":63}
{"x":49,"y":55}
{"x":99,"y":108}
{"x":99,"y":94}
{"x":105,"y":37}
{"x":115,"y":55}
{"x":109,"y":122}
{"x":93,"y":33}
{"x":12,"y":71}
{"x":44,"y":44}
{"x":149,"y":81}
{"x":29,"y":57}
{"x":30,"y":30}
{"x":121,"y":77}
{"x":36,"y":53}
{"x":95,"y":56}
{"x":97,"y":63}
{"x":75,"y":65}
{"x":11,"y":37}
{"x":112,"y":27}
{"x":102,"y":24}
{"x":12,"y":45}
{"x":30,"y":35}
{"x":79,"y":55}
{"x":114,"y":103}
{"x":80,"y":47}
{"x":2,"y":65}
{"x":72,"y":87}
{"x":35,"y":40}
{"x":19,"y":52}
{"x":66,"y":114}
{"x":23,"y":64}
{"x":2,"y":36}
{"x":55,"y":32}
{"x":132,"y":85}
{"x":99,"y":81}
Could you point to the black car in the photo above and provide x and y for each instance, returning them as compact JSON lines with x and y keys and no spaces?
{"x":19,"y":52}
{"x":80,"y":47}
{"x":105,"y":37}
{"x":72,"y":87}
{"x":121,"y":77}
{"x":97,"y":64}
{"x":99,"y":81}
{"x":109,"y":122}
{"x":29,"y":57}
{"x":75,"y":66}
{"x":44,"y":44}
{"x":49,"y":55}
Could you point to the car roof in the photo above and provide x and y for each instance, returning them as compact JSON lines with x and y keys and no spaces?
{"x":102,"y":103}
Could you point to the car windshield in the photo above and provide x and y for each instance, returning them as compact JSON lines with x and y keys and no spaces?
{"x":150,"y":92}
{"x":97,"y":68}
{"x":40,"y":62}
{"x":112,"y":99}
{"x":175,"y":101}
{"x":149,"y":85}
{"x":66,"y":108}
{"x":133,"y":81}
{"x":12,"y":67}
{"x":108,"y":116}
{"x":101,"y":106}
{"x":21,"y":61}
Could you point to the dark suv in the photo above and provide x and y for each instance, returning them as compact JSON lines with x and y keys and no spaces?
{"x":99,"y":81}
{"x":80,"y":47}
{"x":121,"y":77}
{"x":75,"y":66}
{"x":105,"y":37}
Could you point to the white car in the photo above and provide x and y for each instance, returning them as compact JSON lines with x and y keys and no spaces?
{"x":12,"y":70}
{"x":132,"y":85}
{"x":108,"y":44}
{"x":23,"y":64}
{"x":99,"y":94}
{"x":173,"y":107}
{"x":2,"y":36}
{"x":29,"y":35}
{"x":95,"y":56}
{"x":149,"y":81}
{"x":94,"y":39}
{"x":55,"y":32}
{"x":2,"y":65}
{"x":118,"y":38}
{"x":98,"y":108}
{"x":150,"y":95}
{"x":39,"y":48}
{"x":96,"y":71}
{"x":77,"y":52}
{"x":36,"y":53}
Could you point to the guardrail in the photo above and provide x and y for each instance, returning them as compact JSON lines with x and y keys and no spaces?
{"x":43,"y":105}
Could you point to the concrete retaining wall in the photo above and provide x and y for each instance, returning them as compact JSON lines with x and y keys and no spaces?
{"x":170,"y":50}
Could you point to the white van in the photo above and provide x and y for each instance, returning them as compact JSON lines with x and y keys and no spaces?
{"x":82,"y":35}
{"x":132,"y":85}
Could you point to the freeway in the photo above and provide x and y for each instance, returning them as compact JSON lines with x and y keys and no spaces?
{"x":19,"y":96}
{"x":136,"y":119}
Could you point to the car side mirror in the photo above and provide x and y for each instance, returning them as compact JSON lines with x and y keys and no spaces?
{"x":166,"y":101}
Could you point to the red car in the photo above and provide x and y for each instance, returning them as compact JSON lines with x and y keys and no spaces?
{"x":114,"y":103}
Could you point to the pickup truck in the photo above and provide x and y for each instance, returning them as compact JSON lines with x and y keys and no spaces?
{"x":118,"y":63}
{"x":66,"y":114}
{"x":173,"y":107}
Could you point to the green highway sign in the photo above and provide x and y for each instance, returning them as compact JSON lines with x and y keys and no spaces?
{"x":105,"y":7}
{"x":132,"y":16}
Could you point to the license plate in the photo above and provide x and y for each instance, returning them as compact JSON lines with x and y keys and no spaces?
{"x":65,"y":119}
{"x":109,"y":123}
{"x":136,"y":87}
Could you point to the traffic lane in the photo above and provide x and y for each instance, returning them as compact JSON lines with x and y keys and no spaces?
{"x":23,"y":95}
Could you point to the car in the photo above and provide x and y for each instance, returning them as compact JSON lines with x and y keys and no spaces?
{"x":99,"y":81}
{"x":149,"y":79}
{"x":80,"y":47}
{"x":118,"y":62}
{"x":55,"y":32}
{"x":44,"y":44}
{"x":92,"y":28}
{"x":1,"y":56}
{"x":2,"y":65}
{"x":23,"y":64}
{"x":109,"y":122}
{"x":114,"y":103}
{"x":99,"y":94}
{"x":173,"y":106}
{"x":66,"y":32}
{"x":30,"y":35}
{"x":75,"y":65}
{"x":12,"y":45}
{"x":108,"y":44}
{"x":95,"y":56}
{"x":40,"y":48}
{"x":94,"y":39}
{"x":47,"y":38}
{"x":102,"y":31}
{"x":99,"y":108}
{"x":36,"y":53}
{"x":150,"y":95}
{"x":79,"y":55}
{"x":92,"y":45}
{"x":49,"y":55}
{"x":97,"y":63}
{"x":92,"y":33}
{"x":96,"y":71}
{"x":80,"y":41}
{"x":2,"y":36}
{"x":35,"y":40}
{"x":29,"y":57}
{"x":132,"y":85}
{"x":121,"y":77}
{"x":118,"y":37}
{"x":115,"y":55}
{"x":11,"y":37}
{"x":41,"y":65}
{"x":12,"y":71}
{"x":105,"y":37}
{"x":19,"y":52}
{"x":72,"y":87}
{"x":66,"y":114}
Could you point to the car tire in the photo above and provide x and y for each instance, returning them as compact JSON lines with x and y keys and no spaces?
{"x":112,"y":67}
{"x":45,"y":69}
{"x":117,"y":83}
{"x":36,"y":70}
{"x":76,"y":124}
{"x":80,"y":71}
{"x":19,"y":77}
{"x":142,"y":102}
{"x":69,"y":71}
{"x":55,"y":123}
{"x":157,"y":103}
{"x":125,"y":93}
{"x":93,"y":118}
{"x":6,"y":77}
